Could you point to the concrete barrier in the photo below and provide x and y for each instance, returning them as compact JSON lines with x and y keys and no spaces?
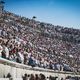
{"x":12,"y":79}
{"x":17,"y":79}
{"x":18,"y":70}
{"x":4,"y":79}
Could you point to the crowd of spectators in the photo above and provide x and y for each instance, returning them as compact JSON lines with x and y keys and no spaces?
{"x":39,"y":44}
{"x":38,"y":77}
{"x":41,"y":77}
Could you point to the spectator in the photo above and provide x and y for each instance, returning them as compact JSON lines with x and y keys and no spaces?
{"x":31,"y":61}
{"x":46,"y":46}
{"x":25,"y":77}
{"x":42,"y":77}
{"x":1,"y":48}
{"x":6,"y":51}
{"x":8,"y":75}
{"x":32,"y":77}
{"x":36,"y":77}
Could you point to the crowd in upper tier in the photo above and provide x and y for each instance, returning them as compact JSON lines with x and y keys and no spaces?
{"x":39,"y":44}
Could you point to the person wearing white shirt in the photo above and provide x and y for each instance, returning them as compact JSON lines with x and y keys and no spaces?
{"x":1,"y":49}
{"x":21,"y":56}
{"x":6,"y":51}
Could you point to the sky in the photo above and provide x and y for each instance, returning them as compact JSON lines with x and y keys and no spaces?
{"x":57,"y":12}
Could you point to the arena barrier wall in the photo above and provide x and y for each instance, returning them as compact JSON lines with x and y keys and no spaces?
{"x":17,"y":70}
{"x":4,"y":79}
{"x":9,"y":79}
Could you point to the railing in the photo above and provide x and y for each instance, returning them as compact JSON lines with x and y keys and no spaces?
{"x":29,"y":69}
